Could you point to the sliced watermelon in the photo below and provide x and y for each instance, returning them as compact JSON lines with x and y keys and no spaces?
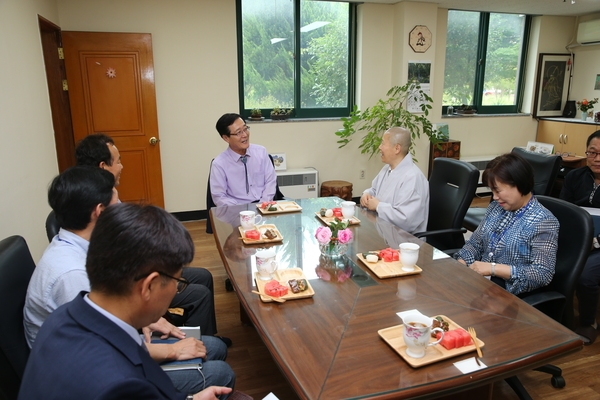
{"x":455,"y":338}
{"x":252,"y":234}
{"x":449,"y":340}
{"x":466,"y":338}
{"x":275,"y":289}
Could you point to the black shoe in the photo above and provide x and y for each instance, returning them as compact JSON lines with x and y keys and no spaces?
{"x":225,"y":340}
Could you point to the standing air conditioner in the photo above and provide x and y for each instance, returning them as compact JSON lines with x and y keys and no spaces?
{"x":298,"y":183}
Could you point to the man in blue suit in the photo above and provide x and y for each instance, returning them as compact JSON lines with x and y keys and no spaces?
{"x":90,"y":347}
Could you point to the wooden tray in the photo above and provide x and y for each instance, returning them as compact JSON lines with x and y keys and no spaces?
{"x":283,"y":276}
{"x":282,"y":207}
{"x":329,"y":220}
{"x":262,"y":229}
{"x":393,"y":337}
{"x":387,"y":269}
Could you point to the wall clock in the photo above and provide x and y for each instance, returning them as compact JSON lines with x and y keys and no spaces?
{"x":420,"y":39}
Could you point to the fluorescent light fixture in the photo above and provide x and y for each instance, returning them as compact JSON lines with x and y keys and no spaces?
{"x":277,"y":40}
{"x":313,"y":25}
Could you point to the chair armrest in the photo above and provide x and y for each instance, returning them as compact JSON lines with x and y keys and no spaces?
{"x":440,"y":232}
{"x":537,"y":299}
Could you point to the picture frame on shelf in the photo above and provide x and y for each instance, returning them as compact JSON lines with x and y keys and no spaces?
{"x":552,"y":84}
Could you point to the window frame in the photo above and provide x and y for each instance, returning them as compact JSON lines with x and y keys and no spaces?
{"x":484,"y":24}
{"x":300,"y":112}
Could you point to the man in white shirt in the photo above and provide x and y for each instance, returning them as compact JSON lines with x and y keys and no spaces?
{"x":78,"y":196}
{"x":400,"y":192}
{"x":90,"y":346}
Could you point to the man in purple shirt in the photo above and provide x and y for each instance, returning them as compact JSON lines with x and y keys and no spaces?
{"x":243,"y":173}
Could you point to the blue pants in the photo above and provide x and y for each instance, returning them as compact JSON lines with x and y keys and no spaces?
{"x":215,"y":371}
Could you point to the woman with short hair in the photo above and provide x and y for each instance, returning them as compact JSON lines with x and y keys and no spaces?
{"x":516,"y":242}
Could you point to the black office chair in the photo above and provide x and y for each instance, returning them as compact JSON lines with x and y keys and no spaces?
{"x":52,"y":226}
{"x":16,"y":268}
{"x":556,"y":299}
{"x":545,"y":170}
{"x":210,"y":203}
{"x":452,"y":186}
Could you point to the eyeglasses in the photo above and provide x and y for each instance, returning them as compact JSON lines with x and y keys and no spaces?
{"x":245,"y":129}
{"x":591,"y":154}
{"x":181,"y":282}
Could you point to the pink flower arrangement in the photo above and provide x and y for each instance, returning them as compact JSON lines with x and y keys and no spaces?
{"x":337,"y":232}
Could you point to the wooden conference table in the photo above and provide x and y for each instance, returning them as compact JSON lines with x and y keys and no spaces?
{"x":328,"y":346}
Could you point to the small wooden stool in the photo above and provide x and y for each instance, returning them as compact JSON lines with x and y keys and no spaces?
{"x":342,"y":189}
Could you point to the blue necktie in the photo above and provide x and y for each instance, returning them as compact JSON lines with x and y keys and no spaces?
{"x":244,"y":159}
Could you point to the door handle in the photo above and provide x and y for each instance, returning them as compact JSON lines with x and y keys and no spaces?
{"x":566,"y":139}
{"x":153,"y":141}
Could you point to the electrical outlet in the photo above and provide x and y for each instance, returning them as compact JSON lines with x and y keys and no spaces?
{"x":362,"y":174}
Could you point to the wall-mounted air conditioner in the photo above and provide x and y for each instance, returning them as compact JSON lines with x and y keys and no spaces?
{"x":298,"y":183}
{"x":588,"y":32}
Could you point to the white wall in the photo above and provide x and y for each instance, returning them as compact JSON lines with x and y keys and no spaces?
{"x":27,"y":151}
{"x":586,"y":62}
{"x":195,"y":62}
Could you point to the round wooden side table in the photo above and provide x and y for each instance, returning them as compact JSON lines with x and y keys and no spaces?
{"x":342,"y":189}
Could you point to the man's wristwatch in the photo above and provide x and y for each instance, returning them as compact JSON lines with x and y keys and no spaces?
{"x":493,"y":269}
{"x":595,"y":243}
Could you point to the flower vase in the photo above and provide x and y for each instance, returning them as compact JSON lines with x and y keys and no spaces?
{"x":333,"y":249}
{"x":584,"y":115}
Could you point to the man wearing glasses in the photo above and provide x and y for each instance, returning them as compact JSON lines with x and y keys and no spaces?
{"x":243,"y":173}
{"x":78,"y":197}
{"x":90,"y":347}
{"x":581,"y":188}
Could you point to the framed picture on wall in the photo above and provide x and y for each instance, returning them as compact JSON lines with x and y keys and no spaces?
{"x":552,"y":84}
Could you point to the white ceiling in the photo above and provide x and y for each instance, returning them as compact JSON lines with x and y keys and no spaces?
{"x":533,"y":7}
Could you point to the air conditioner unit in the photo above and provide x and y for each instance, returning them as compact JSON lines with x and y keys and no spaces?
{"x":298,"y":183}
{"x":588,"y":32}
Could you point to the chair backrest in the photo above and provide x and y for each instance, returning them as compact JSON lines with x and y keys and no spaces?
{"x":452,"y":185}
{"x":574,"y":243}
{"x":545,"y":170}
{"x":16,"y":268}
{"x":209,"y":201}
{"x":52,"y":226}
{"x":278,"y":194}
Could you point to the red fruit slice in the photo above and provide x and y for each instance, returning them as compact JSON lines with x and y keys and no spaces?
{"x":275,"y":289}
{"x":252,"y":234}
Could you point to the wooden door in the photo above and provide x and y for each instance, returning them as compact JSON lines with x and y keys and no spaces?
{"x":111,"y":90}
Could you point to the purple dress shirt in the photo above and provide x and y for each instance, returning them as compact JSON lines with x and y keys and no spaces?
{"x":228,"y":177}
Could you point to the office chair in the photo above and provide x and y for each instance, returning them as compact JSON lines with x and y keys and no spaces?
{"x":556,"y":299}
{"x":452,"y":186}
{"x":545,"y":170}
{"x":52,"y":226}
{"x":16,"y":268}
{"x":210,"y":203}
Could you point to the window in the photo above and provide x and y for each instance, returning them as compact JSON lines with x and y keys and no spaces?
{"x":485,"y":55}
{"x":296,"y":54}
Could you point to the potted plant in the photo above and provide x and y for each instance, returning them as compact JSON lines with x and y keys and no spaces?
{"x":465,"y":110}
{"x":387,"y":113}
{"x":281,"y":113}
{"x":256,"y":114}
